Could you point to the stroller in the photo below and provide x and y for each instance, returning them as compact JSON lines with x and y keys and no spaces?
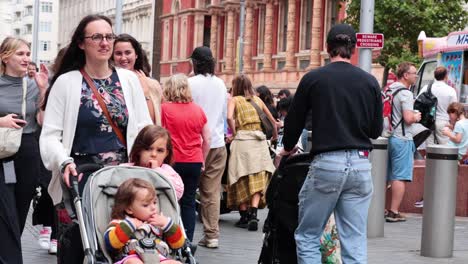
{"x":279,"y":245}
{"x":94,"y":208}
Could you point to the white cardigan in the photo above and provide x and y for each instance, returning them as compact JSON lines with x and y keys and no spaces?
{"x":61,"y":115}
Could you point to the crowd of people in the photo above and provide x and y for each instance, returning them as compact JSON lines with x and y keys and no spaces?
{"x":98,"y":104}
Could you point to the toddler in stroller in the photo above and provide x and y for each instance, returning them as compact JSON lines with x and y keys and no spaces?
{"x":94,"y":216}
{"x":138,"y":233}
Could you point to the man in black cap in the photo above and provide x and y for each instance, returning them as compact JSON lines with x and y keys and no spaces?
{"x":209,"y":92}
{"x":346,"y":108}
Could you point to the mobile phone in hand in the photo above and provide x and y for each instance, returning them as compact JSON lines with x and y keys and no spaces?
{"x":20,"y":116}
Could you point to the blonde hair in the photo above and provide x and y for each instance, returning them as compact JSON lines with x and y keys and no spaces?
{"x":176,"y":89}
{"x":8,"y":48}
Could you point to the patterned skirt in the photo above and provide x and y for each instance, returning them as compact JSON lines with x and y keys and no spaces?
{"x":241,"y":191}
{"x":329,"y":243}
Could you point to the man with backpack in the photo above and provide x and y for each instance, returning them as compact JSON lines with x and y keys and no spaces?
{"x":400,"y":144}
{"x":346,"y":109}
{"x":445,"y":96}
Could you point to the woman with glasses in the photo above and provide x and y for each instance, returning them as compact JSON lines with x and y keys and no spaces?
{"x":129,"y":54}
{"x":93,"y":111}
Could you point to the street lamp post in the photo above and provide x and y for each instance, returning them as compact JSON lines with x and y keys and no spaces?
{"x":366,"y":26}
{"x":118,"y":16}
{"x":35,"y":38}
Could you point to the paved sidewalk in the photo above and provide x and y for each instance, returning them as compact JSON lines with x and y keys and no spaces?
{"x":401,"y":244}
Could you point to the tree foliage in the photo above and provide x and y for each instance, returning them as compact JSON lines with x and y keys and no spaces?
{"x":401,"y":21}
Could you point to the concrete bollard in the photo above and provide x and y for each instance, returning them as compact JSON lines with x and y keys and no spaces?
{"x":440,"y":190}
{"x":379,"y":160}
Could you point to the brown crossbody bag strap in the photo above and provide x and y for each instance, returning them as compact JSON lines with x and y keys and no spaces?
{"x":103,"y":106}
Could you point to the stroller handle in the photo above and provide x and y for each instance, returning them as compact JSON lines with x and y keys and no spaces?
{"x":83,"y":168}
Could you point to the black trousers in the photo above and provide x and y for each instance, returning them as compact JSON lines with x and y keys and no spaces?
{"x":10,"y":250}
{"x":27,"y":169}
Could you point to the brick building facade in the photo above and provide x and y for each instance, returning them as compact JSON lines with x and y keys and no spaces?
{"x":283,"y":39}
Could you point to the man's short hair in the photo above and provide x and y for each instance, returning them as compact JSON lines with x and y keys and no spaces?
{"x":440,"y":73}
{"x":33,"y":63}
{"x":403,"y":68}
{"x":341,"y":41}
{"x":203,"y":61}
{"x":284,"y":92}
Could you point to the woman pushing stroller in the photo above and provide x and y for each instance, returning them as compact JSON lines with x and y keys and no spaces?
{"x":137,"y":224}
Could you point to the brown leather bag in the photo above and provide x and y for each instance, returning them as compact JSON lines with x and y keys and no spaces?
{"x":103,"y":106}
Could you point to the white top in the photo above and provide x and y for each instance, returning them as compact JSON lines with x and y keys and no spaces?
{"x":61,"y":115}
{"x":209,"y":92}
{"x":445,"y":95}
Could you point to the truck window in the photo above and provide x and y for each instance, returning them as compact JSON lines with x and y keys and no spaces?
{"x":426,"y":74}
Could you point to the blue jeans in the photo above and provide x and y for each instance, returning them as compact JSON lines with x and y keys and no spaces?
{"x":339,"y":182}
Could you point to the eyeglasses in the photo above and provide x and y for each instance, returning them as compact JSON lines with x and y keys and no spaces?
{"x":98,"y":37}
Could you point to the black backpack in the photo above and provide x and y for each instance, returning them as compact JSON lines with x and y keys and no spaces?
{"x":426,"y":103}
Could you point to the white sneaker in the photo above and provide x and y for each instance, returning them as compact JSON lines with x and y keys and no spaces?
{"x":53,"y":247}
{"x":209,"y":243}
{"x":44,"y":237}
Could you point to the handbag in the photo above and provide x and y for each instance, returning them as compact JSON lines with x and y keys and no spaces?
{"x":10,"y":138}
{"x":103,"y":106}
{"x":267,"y":126}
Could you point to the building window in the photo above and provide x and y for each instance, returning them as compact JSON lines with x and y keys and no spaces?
{"x":28,"y":11}
{"x":27,"y":29}
{"x":45,"y":26}
{"x":44,"y":45}
{"x":17,"y":32}
{"x":46,"y":7}
{"x":261,"y":30}
{"x":306,"y":24}
{"x":283,"y":26}
{"x":46,"y":62}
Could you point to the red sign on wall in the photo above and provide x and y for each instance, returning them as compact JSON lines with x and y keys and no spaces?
{"x":369,"y":40}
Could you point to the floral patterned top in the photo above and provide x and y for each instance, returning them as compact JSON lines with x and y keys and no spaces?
{"x":94,"y":135}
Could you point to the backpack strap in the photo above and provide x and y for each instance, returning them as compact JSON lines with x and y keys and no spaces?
{"x":391,"y":114}
{"x":429,"y":90}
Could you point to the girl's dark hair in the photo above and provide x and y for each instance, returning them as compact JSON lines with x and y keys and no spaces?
{"x":241,"y":85}
{"x":147,"y":136}
{"x":126,"y":194}
{"x":141,"y":62}
{"x":74,"y":57}
{"x":265,"y":94}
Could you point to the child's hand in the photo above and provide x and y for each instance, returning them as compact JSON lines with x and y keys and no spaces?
{"x":446,"y":131}
{"x":153,"y":164}
{"x":158,"y":220}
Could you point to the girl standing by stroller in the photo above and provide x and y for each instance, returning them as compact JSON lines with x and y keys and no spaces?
{"x":134,"y":213}
{"x":153,"y":149}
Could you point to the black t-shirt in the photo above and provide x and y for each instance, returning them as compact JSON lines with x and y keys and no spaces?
{"x":345,"y":105}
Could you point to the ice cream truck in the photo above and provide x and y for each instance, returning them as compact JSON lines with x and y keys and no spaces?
{"x":450,"y":51}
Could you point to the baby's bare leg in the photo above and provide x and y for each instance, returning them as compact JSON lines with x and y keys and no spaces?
{"x":171,"y":261}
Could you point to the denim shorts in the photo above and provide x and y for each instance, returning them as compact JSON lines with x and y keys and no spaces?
{"x":400,"y":159}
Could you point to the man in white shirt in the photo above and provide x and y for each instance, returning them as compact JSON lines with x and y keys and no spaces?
{"x":209,"y":92}
{"x":445,"y":96}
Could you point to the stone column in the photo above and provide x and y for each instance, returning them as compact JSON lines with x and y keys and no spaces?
{"x":291,"y":37}
{"x":214,"y":34}
{"x":229,"y":58}
{"x":247,"y":56}
{"x":316,"y":35}
{"x":268,"y":38}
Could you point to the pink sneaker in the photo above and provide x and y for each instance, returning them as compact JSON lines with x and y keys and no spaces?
{"x":44,"y":237}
